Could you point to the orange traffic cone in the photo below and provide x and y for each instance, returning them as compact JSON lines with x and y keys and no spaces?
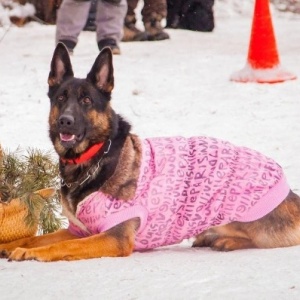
{"x":263,"y":64}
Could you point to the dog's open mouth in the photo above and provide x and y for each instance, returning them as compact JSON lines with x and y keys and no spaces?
{"x":68,"y":140}
{"x":65,"y":137}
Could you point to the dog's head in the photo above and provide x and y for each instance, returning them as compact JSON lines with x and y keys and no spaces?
{"x":80,"y":113}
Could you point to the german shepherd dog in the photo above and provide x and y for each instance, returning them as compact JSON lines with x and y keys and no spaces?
{"x":101,"y":168}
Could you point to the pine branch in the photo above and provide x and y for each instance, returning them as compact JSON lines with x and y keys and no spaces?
{"x":23,"y":174}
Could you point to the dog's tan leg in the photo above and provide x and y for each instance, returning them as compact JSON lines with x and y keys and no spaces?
{"x":280,"y":228}
{"x":224,"y":238}
{"x":118,"y":241}
{"x":36,"y":241}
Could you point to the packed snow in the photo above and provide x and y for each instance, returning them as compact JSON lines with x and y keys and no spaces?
{"x":176,"y":87}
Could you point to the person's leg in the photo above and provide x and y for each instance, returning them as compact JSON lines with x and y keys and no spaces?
{"x":174,"y":13}
{"x":109,"y":23}
{"x":153,"y":12}
{"x":71,"y":18}
{"x":132,"y":5}
{"x":131,"y":32}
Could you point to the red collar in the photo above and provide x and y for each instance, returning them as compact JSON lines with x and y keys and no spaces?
{"x":88,"y":154}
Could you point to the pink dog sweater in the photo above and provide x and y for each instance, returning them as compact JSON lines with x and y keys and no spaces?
{"x":185,"y":186}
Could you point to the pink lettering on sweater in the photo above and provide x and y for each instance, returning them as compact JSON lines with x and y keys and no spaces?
{"x":185,"y":186}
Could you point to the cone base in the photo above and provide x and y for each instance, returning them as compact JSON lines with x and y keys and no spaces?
{"x":272,"y":75}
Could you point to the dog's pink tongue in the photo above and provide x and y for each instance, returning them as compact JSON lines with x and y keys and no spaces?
{"x":67,"y":137}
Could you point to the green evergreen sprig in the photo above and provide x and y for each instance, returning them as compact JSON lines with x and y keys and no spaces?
{"x":21,"y":174}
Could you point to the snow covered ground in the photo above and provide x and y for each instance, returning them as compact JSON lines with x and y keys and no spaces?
{"x":175,"y":87}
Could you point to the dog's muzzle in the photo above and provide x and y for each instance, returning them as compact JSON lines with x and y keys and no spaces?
{"x":68,"y":131}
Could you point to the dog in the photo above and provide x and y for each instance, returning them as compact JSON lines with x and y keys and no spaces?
{"x":123,"y":194}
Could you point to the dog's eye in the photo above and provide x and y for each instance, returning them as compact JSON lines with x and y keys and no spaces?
{"x":87,"y":100}
{"x":61,"y":98}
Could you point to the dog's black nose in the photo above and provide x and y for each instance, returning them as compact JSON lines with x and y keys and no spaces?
{"x":66,"y":120}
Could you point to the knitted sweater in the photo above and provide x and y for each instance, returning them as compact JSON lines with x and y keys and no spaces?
{"x":185,"y":186}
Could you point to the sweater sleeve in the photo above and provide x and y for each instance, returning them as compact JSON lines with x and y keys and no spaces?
{"x":99,"y":212}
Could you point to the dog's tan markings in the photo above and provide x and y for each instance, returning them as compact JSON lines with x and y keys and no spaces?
{"x":53,"y":116}
{"x":82,"y":147}
{"x":51,"y":81}
{"x":59,"y":148}
{"x":122,"y":184}
{"x":118,"y":241}
{"x":100,"y":120}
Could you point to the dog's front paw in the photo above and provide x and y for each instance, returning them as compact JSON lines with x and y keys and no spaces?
{"x":39,"y":254}
{"x":5,"y":250}
{"x":20,"y":254}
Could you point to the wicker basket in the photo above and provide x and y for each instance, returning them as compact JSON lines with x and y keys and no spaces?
{"x":12,"y":217}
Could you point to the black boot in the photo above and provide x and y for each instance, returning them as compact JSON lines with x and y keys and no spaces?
{"x":111,"y":43}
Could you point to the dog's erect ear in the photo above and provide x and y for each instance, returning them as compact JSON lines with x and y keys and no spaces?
{"x":61,"y":67}
{"x":102,"y":72}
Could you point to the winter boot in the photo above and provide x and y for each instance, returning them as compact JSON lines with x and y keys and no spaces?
{"x":111,"y":43}
{"x":131,"y":33}
{"x":155,"y":30}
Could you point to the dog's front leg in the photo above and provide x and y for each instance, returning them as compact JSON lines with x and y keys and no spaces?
{"x":118,"y":241}
{"x":36,"y":241}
